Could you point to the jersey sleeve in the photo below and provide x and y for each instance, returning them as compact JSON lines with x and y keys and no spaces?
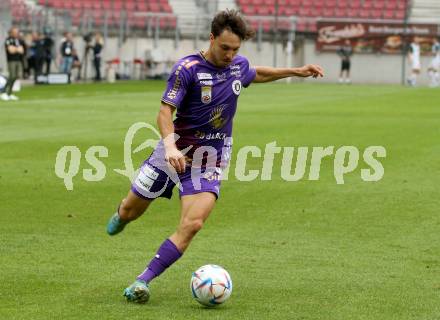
{"x":249,"y":74}
{"x":177,"y":85}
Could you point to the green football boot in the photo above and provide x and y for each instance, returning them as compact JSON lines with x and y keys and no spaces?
{"x":115,"y":225}
{"x":137,"y":292}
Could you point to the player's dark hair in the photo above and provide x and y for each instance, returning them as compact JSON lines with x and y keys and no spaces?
{"x":233,"y":21}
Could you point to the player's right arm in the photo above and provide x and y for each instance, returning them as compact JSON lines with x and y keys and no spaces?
{"x":177,"y":85}
{"x":166,"y":128}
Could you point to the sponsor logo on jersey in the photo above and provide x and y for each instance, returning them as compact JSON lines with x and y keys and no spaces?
{"x":206,"y":82}
{"x":236,"y":87}
{"x":204,"y":76}
{"x":210,"y":136}
{"x":213,"y":175}
{"x":206,"y":94}
{"x":172,"y":94}
{"x":217,"y":119}
{"x":146,"y":178}
{"x":235,"y":70}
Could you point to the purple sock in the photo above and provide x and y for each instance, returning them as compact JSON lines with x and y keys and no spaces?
{"x":165,"y":256}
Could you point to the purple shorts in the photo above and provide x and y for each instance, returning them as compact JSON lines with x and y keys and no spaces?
{"x":154,"y":181}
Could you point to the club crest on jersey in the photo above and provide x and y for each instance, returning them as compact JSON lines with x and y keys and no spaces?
{"x":236,"y":87}
{"x":206,"y":94}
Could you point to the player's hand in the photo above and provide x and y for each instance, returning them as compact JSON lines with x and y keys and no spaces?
{"x":176,"y":159}
{"x":311,"y":70}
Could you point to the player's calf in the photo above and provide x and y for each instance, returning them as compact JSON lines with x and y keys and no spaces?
{"x":131,"y":208}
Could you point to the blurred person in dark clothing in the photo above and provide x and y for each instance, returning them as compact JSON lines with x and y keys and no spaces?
{"x":66,"y":51}
{"x":37,"y":54}
{"x":14,"y":54}
{"x":97,"y":50}
{"x":48,"y":44}
{"x":345,"y":52}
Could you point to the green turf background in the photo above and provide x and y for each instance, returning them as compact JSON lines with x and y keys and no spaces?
{"x":295,"y":250}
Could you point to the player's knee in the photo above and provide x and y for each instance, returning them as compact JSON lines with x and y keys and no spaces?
{"x":193,"y":226}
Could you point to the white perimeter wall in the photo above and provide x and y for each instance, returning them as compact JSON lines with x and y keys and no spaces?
{"x":366,"y":68}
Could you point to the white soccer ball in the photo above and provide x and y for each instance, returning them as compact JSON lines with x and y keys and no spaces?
{"x":211,"y":285}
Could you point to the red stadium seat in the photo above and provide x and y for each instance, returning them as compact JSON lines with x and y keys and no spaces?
{"x":141,"y":6}
{"x":248,"y":10}
{"x":379,"y":4}
{"x":343,"y":4}
{"x":316,"y":12}
{"x":166,"y":8}
{"x":340,"y":13}
{"x":400,"y":15}
{"x":376,"y":14}
{"x":367,"y":4}
{"x":292,"y":11}
{"x":388,"y":14}
{"x":401,"y":5}
{"x":391,"y":4}
{"x":117,"y":5}
{"x":87,"y":5}
{"x":353,"y":13}
{"x":328,"y":12}
{"x":106,"y":5}
{"x":356,"y":4}
{"x":305,"y":12}
{"x":330,"y":4}
{"x":154,"y":7}
{"x":363,"y":13}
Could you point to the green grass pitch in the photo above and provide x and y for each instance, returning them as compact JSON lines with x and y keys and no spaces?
{"x":295,"y":250}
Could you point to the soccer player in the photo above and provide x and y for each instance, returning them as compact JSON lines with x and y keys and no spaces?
{"x":14,"y":54}
{"x":414,"y":59}
{"x":203,"y":88}
{"x":345,"y":52}
{"x":434,"y":67}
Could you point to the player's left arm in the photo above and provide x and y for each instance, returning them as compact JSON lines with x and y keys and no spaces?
{"x":268,"y":74}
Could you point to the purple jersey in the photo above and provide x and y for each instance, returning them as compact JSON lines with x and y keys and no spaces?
{"x":205,"y":97}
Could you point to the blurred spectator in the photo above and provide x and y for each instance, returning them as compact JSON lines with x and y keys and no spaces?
{"x":414,"y":60}
{"x":66,"y":51}
{"x":48,"y":44}
{"x":14,"y":54}
{"x":345,"y":52}
{"x":97,"y":49}
{"x":76,"y":64}
{"x":434,"y":67}
{"x":36,"y":56}
{"x":24,"y":63}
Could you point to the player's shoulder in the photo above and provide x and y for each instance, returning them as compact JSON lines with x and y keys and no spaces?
{"x":189,"y":62}
{"x":239,"y":59}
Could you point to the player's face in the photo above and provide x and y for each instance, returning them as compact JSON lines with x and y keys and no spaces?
{"x":224,"y":48}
